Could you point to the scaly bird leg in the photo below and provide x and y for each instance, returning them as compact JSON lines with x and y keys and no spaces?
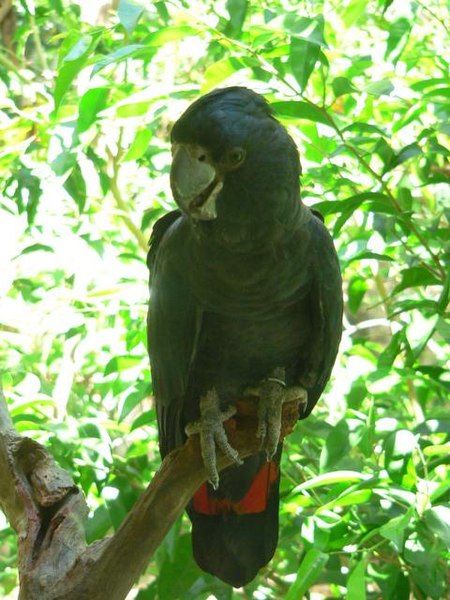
{"x":212,"y":434}
{"x":273,"y":393}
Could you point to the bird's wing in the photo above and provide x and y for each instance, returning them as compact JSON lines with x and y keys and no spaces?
{"x":173,"y":325}
{"x":325,"y":308}
{"x":158,"y":231}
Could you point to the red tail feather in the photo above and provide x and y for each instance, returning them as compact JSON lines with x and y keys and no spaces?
{"x":254,"y":501}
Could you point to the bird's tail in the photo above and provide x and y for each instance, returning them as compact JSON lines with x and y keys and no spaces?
{"x":235,"y":528}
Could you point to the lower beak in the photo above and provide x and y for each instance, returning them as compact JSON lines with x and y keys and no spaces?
{"x":195,"y":185}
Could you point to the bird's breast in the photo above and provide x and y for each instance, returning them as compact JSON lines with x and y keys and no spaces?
{"x":235,"y":352}
{"x":249,"y":287}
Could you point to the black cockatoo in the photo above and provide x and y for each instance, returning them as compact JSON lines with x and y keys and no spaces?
{"x":245,"y":293}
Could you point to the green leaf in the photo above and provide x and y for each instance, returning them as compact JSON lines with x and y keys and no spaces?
{"x":171,"y":34}
{"x":347,"y":499}
{"x":303,"y":56}
{"x":392,"y":350}
{"x":79,"y":49}
{"x":438,"y":520}
{"x":224,"y":68}
{"x":415,"y":277}
{"x":341,"y":86}
{"x":141,"y":392}
{"x":395,"y":494}
{"x":28,"y":193}
{"x":386,"y":153}
{"x":36,"y":248}
{"x":386,"y":4}
{"x":129,"y":13}
{"x":398,"y":37}
{"x":357,"y":289}
{"x":367,"y":255}
{"x":304,"y":51}
{"x":331,"y":478}
{"x":392,"y":160}
{"x":135,"y":109}
{"x":382,"y":380}
{"x":441,"y":91}
{"x":393,"y":583}
{"x":374,"y":201}
{"x":423,"y":84}
{"x":130,"y":51}
{"x":178,"y":571}
{"x":395,"y":529}
{"x":64,"y":162}
{"x":147,"y":418}
{"x":311,"y":567}
{"x":408,"y":152}
{"x":151,"y":591}
{"x":137,"y":449}
{"x":301,"y":110}
{"x":353,"y":12}
{"x":91,"y":103}
{"x":139,"y":145}
{"x":121,"y":363}
{"x":412,"y":114}
{"x":237,"y":9}
{"x":445,"y":295}
{"x":431,"y":577}
{"x":75,"y":186}
{"x":71,"y":65}
{"x":360,"y":127}
{"x":402,"y":443}
{"x":336,"y":446}
{"x":304,"y":28}
{"x":98,"y":525}
{"x":356,"y":582}
{"x":398,"y":449}
{"x":379,"y":88}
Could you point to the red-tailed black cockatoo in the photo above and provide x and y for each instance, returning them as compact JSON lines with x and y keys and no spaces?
{"x":245,"y":293}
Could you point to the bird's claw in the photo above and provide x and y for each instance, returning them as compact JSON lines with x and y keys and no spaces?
{"x":212,"y":434}
{"x":273,"y":393}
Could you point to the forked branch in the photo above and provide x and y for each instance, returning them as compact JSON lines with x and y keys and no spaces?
{"x":48,"y":512}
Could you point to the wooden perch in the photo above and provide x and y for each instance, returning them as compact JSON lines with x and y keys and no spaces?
{"x":48,"y":512}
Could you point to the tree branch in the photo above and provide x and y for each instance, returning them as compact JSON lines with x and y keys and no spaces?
{"x":48,"y":511}
{"x":120,"y":202}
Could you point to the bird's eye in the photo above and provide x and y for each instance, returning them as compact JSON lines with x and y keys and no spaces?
{"x":236,"y":156}
{"x":202,"y":158}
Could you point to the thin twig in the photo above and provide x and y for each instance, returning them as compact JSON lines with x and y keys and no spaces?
{"x":120,"y":202}
{"x":10,"y":66}
{"x":37,"y":41}
{"x":434,"y":15}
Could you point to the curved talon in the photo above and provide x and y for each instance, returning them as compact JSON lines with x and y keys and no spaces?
{"x":222,"y":441}
{"x":299,"y":394}
{"x":274,"y":430}
{"x":212,"y":434}
{"x":272,"y":394}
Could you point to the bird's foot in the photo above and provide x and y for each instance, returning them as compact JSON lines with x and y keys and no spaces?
{"x":273,"y":393}
{"x":212,"y":434}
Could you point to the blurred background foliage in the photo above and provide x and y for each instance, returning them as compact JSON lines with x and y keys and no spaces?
{"x":88,"y":93}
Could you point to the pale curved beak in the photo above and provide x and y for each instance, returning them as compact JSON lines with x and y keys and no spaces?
{"x":194,"y":184}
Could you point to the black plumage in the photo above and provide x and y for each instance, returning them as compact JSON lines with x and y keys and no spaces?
{"x":235,"y":297}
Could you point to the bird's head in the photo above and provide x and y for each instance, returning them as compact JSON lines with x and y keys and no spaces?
{"x":231,"y":157}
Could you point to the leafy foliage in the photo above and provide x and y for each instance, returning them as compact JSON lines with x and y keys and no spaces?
{"x":88,"y":98}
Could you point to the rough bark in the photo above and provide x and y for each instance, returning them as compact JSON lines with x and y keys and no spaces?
{"x":48,"y":512}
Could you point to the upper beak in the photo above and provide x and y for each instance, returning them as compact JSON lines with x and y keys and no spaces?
{"x":194,"y":184}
